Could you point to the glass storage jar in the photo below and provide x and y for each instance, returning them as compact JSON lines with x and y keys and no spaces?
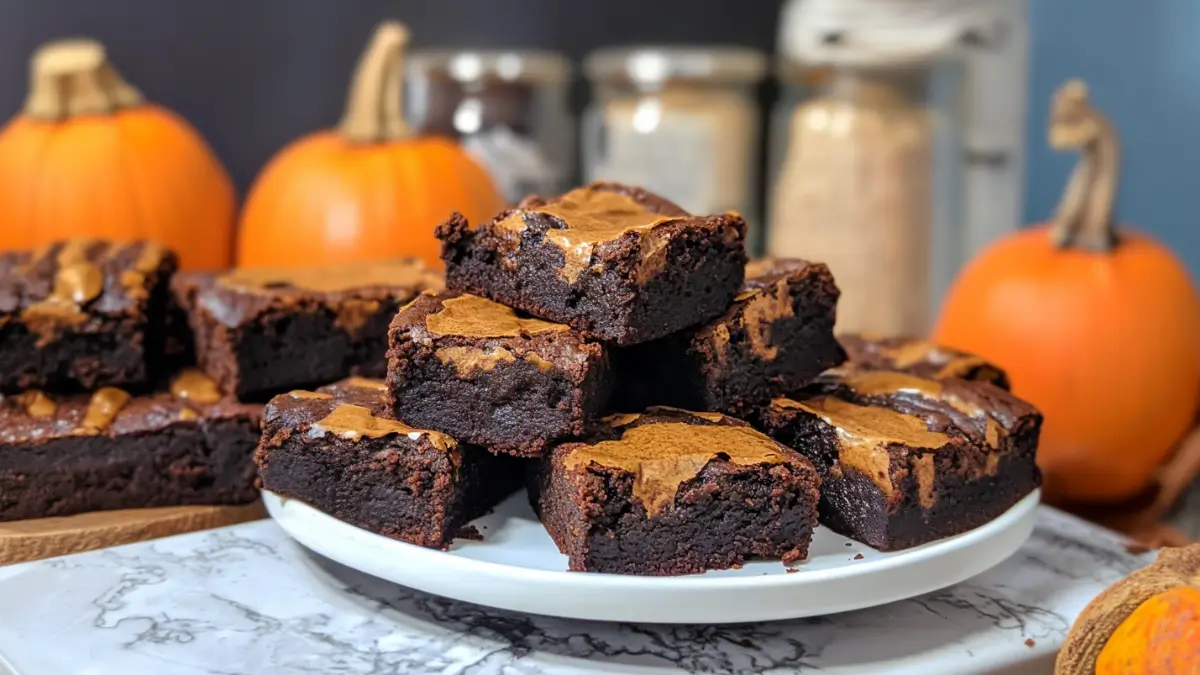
{"x":864,"y":166}
{"x":508,"y":108}
{"x":679,"y":121}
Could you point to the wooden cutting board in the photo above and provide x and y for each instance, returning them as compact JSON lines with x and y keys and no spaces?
{"x":24,"y":540}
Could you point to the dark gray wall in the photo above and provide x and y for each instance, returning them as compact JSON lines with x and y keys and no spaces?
{"x":254,"y":74}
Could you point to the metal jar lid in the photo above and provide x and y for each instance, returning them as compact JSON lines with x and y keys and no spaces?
{"x":652,"y":66}
{"x":472,"y":65}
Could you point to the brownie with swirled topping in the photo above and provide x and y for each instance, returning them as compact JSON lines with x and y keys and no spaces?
{"x":67,"y":454}
{"x":82,"y":314}
{"x":614,"y":262}
{"x":490,"y":376}
{"x":340,"y":450}
{"x":774,"y":338}
{"x":262,"y":331}
{"x":906,"y":460}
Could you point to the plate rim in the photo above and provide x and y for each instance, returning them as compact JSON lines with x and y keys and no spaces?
{"x":1012,"y":517}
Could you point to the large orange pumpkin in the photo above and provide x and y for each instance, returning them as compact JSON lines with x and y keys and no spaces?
{"x":89,"y":156}
{"x":367,"y":190}
{"x":1097,"y":326}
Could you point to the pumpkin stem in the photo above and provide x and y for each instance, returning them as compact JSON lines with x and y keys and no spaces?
{"x":374,"y":107}
{"x":74,"y":77}
{"x":1084,"y":218}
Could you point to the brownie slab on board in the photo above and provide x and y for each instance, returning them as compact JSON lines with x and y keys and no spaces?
{"x":614,"y":262}
{"x":918,"y":357}
{"x":339,"y":450}
{"x":82,"y":314}
{"x":775,"y":338}
{"x":670,"y":492}
{"x":262,"y":331}
{"x":906,"y":460}
{"x":188,"y":445}
{"x":476,"y":370}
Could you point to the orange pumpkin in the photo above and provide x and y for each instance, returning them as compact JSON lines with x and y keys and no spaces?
{"x":1160,"y":636}
{"x":1145,"y":624}
{"x":89,"y":156}
{"x":1097,"y":326}
{"x":368,"y":190}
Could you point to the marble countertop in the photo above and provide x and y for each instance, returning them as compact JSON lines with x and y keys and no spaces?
{"x":246,"y":599}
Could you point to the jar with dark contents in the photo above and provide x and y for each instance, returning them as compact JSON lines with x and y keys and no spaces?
{"x":508,"y":108}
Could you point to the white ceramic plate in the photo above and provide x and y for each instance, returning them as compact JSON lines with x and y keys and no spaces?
{"x":517,"y":567}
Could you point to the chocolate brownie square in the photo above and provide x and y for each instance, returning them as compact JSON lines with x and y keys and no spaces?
{"x":62,"y":455}
{"x":906,"y":460}
{"x":262,"y":331}
{"x":673,"y":492}
{"x":477,"y":370}
{"x":918,"y":357}
{"x":614,"y":262}
{"x":339,"y":450}
{"x":775,"y":338}
{"x":82,"y":314}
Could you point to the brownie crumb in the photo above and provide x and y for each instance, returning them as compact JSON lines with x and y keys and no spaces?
{"x":849,"y":544}
{"x":858,"y":556}
{"x":791,"y":570}
{"x":1029,"y":642}
{"x":470,"y":533}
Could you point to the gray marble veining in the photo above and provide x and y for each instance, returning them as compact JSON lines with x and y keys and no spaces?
{"x":247,"y":599}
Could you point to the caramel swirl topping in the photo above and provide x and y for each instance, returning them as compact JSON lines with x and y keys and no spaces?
{"x":590,"y":217}
{"x":354,"y":422}
{"x":37,"y":404}
{"x":193,"y":384}
{"x":106,"y":403}
{"x":663,"y":456}
{"x":473,"y":316}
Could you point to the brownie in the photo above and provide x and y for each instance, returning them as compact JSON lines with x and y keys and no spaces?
{"x":484,"y":374}
{"x":918,"y":357}
{"x":187,"y":445}
{"x":82,"y":314}
{"x":669,"y":492}
{"x":775,"y":338}
{"x":614,"y":262}
{"x":906,"y":460}
{"x":339,"y":450}
{"x":262,"y":331}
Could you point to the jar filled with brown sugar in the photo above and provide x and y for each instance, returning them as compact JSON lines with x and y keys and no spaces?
{"x":680,"y":121}
{"x":859,"y":179}
{"x":508,"y":108}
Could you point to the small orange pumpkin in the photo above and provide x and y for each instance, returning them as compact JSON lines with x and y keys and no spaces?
{"x":368,"y":190}
{"x":1099,"y":327}
{"x":88,"y":156}
{"x":1145,"y":624}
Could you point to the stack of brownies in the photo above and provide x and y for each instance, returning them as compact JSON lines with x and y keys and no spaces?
{"x":95,"y":413}
{"x":670,"y":407}
{"x":101,"y":406}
